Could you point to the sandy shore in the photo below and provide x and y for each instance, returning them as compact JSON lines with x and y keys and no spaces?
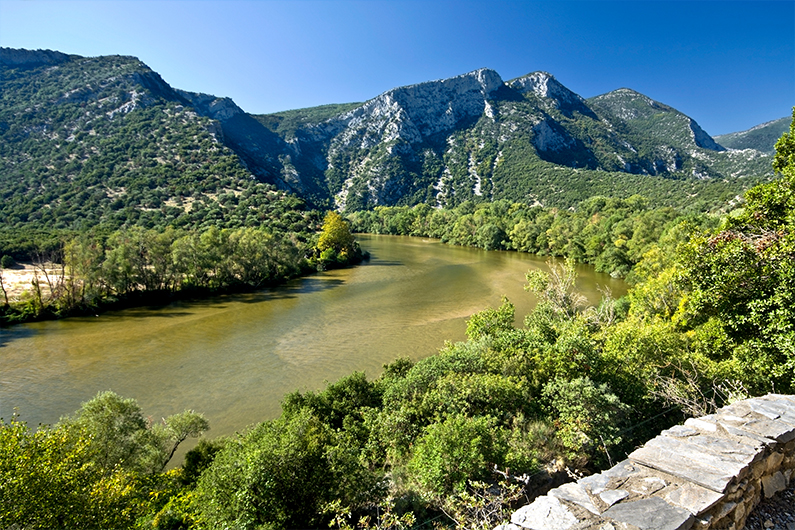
{"x":19,"y":279}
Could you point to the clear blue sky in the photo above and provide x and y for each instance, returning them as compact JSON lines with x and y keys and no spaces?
{"x":729,"y":65}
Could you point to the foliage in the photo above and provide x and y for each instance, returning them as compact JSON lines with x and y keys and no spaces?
{"x":762,"y":137}
{"x":588,"y":416}
{"x":336,"y":244}
{"x":449,"y":453}
{"x":281,"y":474}
{"x":97,"y":269}
{"x":94,"y":470}
{"x":612,"y":234}
{"x":103,"y":141}
{"x":710,"y":317}
{"x":744,"y":275}
{"x":120,"y":436}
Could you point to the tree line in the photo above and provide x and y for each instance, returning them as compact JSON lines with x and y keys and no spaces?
{"x":91,"y":271}
{"x":610,"y":233}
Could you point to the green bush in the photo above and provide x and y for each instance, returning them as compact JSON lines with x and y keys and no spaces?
{"x":450,"y":453}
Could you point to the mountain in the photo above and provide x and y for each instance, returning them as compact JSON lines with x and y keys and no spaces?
{"x":761,"y":138}
{"x":475,"y":137}
{"x":105,"y":140}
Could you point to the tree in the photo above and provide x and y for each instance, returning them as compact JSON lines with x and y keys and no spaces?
{"x":48,"y":480}
{"x":3,"y":288}
{"x":588,"y":416}
{"x":744,"y":275}
{"x":281,"y":475}
{"x":453,"y":451}
{"x":336,"y":241}
{"x":121,"y":436}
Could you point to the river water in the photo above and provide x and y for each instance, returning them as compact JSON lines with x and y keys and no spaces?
{"x":234,"y":357}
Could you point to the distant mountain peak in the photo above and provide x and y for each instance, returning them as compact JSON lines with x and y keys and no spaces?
{"x":415,"y":112}
{"x":467,"y":137}
{"x":656,"y":118}
{"x":545,"y":86}
{"x":762,"y":137}
{"x":30,"y":58}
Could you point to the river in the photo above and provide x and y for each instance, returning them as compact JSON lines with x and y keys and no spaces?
{"x":234,"y":357}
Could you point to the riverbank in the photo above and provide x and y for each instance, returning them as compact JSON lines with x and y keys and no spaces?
{"x":31,"y":291}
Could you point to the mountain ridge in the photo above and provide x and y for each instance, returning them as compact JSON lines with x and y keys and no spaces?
{"x":469,"y":137}
{"x":761,"y":137}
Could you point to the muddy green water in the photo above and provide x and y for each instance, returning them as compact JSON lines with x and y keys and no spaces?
{"x":234,"y":357}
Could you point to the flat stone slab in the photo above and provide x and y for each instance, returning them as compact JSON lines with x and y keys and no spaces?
{"x":545,"y":513}
{"x":688,"y":461}
{"x":771,"y":418}
{"x":623,"y":469}
{"x":645,"y":486}
{"x":680,"y":431}
{"x":596,"y":484}
{"x":710,"y":424}
{"x":773,"y":429}
{"x":651,"y":514}
{"x":574,"y":492}
{"x":694,"y":498}
{"x":725,"y":447}
{"x":610,"y":497}
{"x":773,"y":408}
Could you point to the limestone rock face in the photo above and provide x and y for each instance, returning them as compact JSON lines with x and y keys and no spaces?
{"x":221,"y":109}
{"x":413,"y":113}
{"x":546,"y":87}
{"x":471,"y":137}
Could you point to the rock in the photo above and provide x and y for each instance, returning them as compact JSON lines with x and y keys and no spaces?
{"x":623,"y":469}
{"x":574,"y":492}
{"x":686,"y":460}
{"x":772,"y":484}
{"x":545,"y":513}
{"x":774,"y":461}
{"x":773,"y":408}
{"x":680,"y":431}
{"x":693,"y":498}
{"x":651,"y":514}
{"x":756,"y":423}
{"x":739,"y":512}
{"x":610,"y":497}
{"x":647,"y":486}
{"x":595,"y":483}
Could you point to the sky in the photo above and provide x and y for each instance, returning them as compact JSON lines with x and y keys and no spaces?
{"x":729,"y":65}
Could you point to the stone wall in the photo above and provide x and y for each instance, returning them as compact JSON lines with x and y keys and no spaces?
{"x":709,"y":473}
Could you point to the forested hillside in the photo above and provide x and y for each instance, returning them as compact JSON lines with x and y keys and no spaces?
{"x":105,"y":141}
{"x":761,"y":138}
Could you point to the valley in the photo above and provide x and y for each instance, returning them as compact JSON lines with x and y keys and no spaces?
{"x":400,"y":392}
